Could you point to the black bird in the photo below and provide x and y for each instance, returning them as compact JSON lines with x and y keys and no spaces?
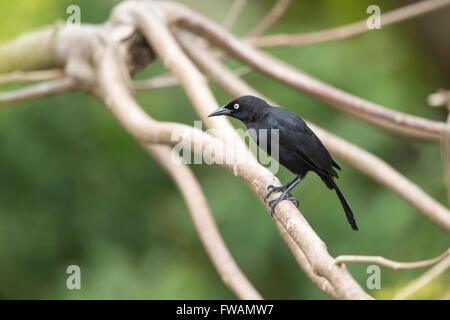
{"x":299,"y":150}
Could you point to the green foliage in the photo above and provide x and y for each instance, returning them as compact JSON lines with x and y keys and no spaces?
{"x":75,"y":188}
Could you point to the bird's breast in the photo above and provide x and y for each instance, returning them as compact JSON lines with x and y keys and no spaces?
{"x":263,"y":136}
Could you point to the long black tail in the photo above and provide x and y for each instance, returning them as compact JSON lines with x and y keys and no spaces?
{"x":346,"y":206}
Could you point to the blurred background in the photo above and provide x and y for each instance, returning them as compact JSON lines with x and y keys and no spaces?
{"x":75,"y":188}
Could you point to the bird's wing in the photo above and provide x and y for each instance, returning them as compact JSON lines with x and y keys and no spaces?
{"x":296,"y":135}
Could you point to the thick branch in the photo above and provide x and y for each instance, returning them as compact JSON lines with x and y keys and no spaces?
{"x":375,"y":114}
{"x":350,"y":30}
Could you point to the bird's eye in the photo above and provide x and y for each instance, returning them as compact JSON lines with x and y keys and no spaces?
{"x":236,"y":106}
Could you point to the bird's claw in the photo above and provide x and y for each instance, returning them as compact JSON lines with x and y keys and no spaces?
{"x":273,"y":189}
{"x":273,"y":203}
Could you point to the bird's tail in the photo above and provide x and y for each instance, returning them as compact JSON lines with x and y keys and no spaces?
{"x":346,"y":206}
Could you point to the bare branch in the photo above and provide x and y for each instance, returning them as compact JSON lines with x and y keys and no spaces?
{"x":446,"y":296}
{"x":19,"y":76}
{"x":442,"y":99}
{"x":445,"y":147}
{"x":224,"y":263}
{"x":390,"y":263}
{"x":304,"y":264}
{"x":269,"y":20}
{"x":394,"y":121}
{"x":158,"y":82}
{"x":169,"y":80}
{"x":423,"y":280}
{"x":350,"y":30}
{"x":39,"y":90}
{"x":138,"y":123}
{"x":233,"y":13}
{"x":360,"y":159}
{"x":439,"y":99}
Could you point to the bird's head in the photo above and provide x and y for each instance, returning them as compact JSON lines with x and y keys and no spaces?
{"x":245,"y":108}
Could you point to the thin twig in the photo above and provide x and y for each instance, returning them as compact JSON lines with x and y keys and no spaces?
{"x":169,"y":80}
{"x":20,"y":76}
{"x":304,"y":264}
{"x":233,"y":13}
{"x":256,"y":176}
{"x":394,"y":16}
{"x":358,"y":158}
{"x":273,"y":16}
{"x":423,"y":280}
{"x":390,"y":263}
{"x":398,"y":122}
{"x":147,"y":130}
{"x":40,"y":90}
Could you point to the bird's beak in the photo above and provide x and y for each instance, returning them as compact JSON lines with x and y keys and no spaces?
{"x":221,"y":112}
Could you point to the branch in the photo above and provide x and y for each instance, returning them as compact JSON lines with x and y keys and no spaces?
{"x":360,"y":159}
{"x":390,"y":263}
{"x":258,"y":177}
{"x":439,"y":99}
{"x":224,"y":263}
{"x":442,"y":99}
{"x":41,"y":75}
{"x":350,"y":30}
{"x":273,"y":16}
{"x":163,"y":81}
{"x":31,"y":51}
{"x":321,"y":282}
{"x":394,"y":121}
{"x":423,"y":280}
{"x":164,"y":45}
{"x":233,"y":13}
{"x":112,"y":84}
{"x":37,"y":91}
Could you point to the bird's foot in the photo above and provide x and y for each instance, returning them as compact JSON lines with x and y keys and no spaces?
{"x":273,"y":189}
{"x":293,"y":200}
{"x":285,"y":196}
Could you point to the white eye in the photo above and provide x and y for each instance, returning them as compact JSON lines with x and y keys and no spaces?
{"x":236,"y":106}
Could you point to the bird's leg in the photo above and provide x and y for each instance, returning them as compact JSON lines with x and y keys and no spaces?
{"x":273,"y":189}
{"x":286,"y":195}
